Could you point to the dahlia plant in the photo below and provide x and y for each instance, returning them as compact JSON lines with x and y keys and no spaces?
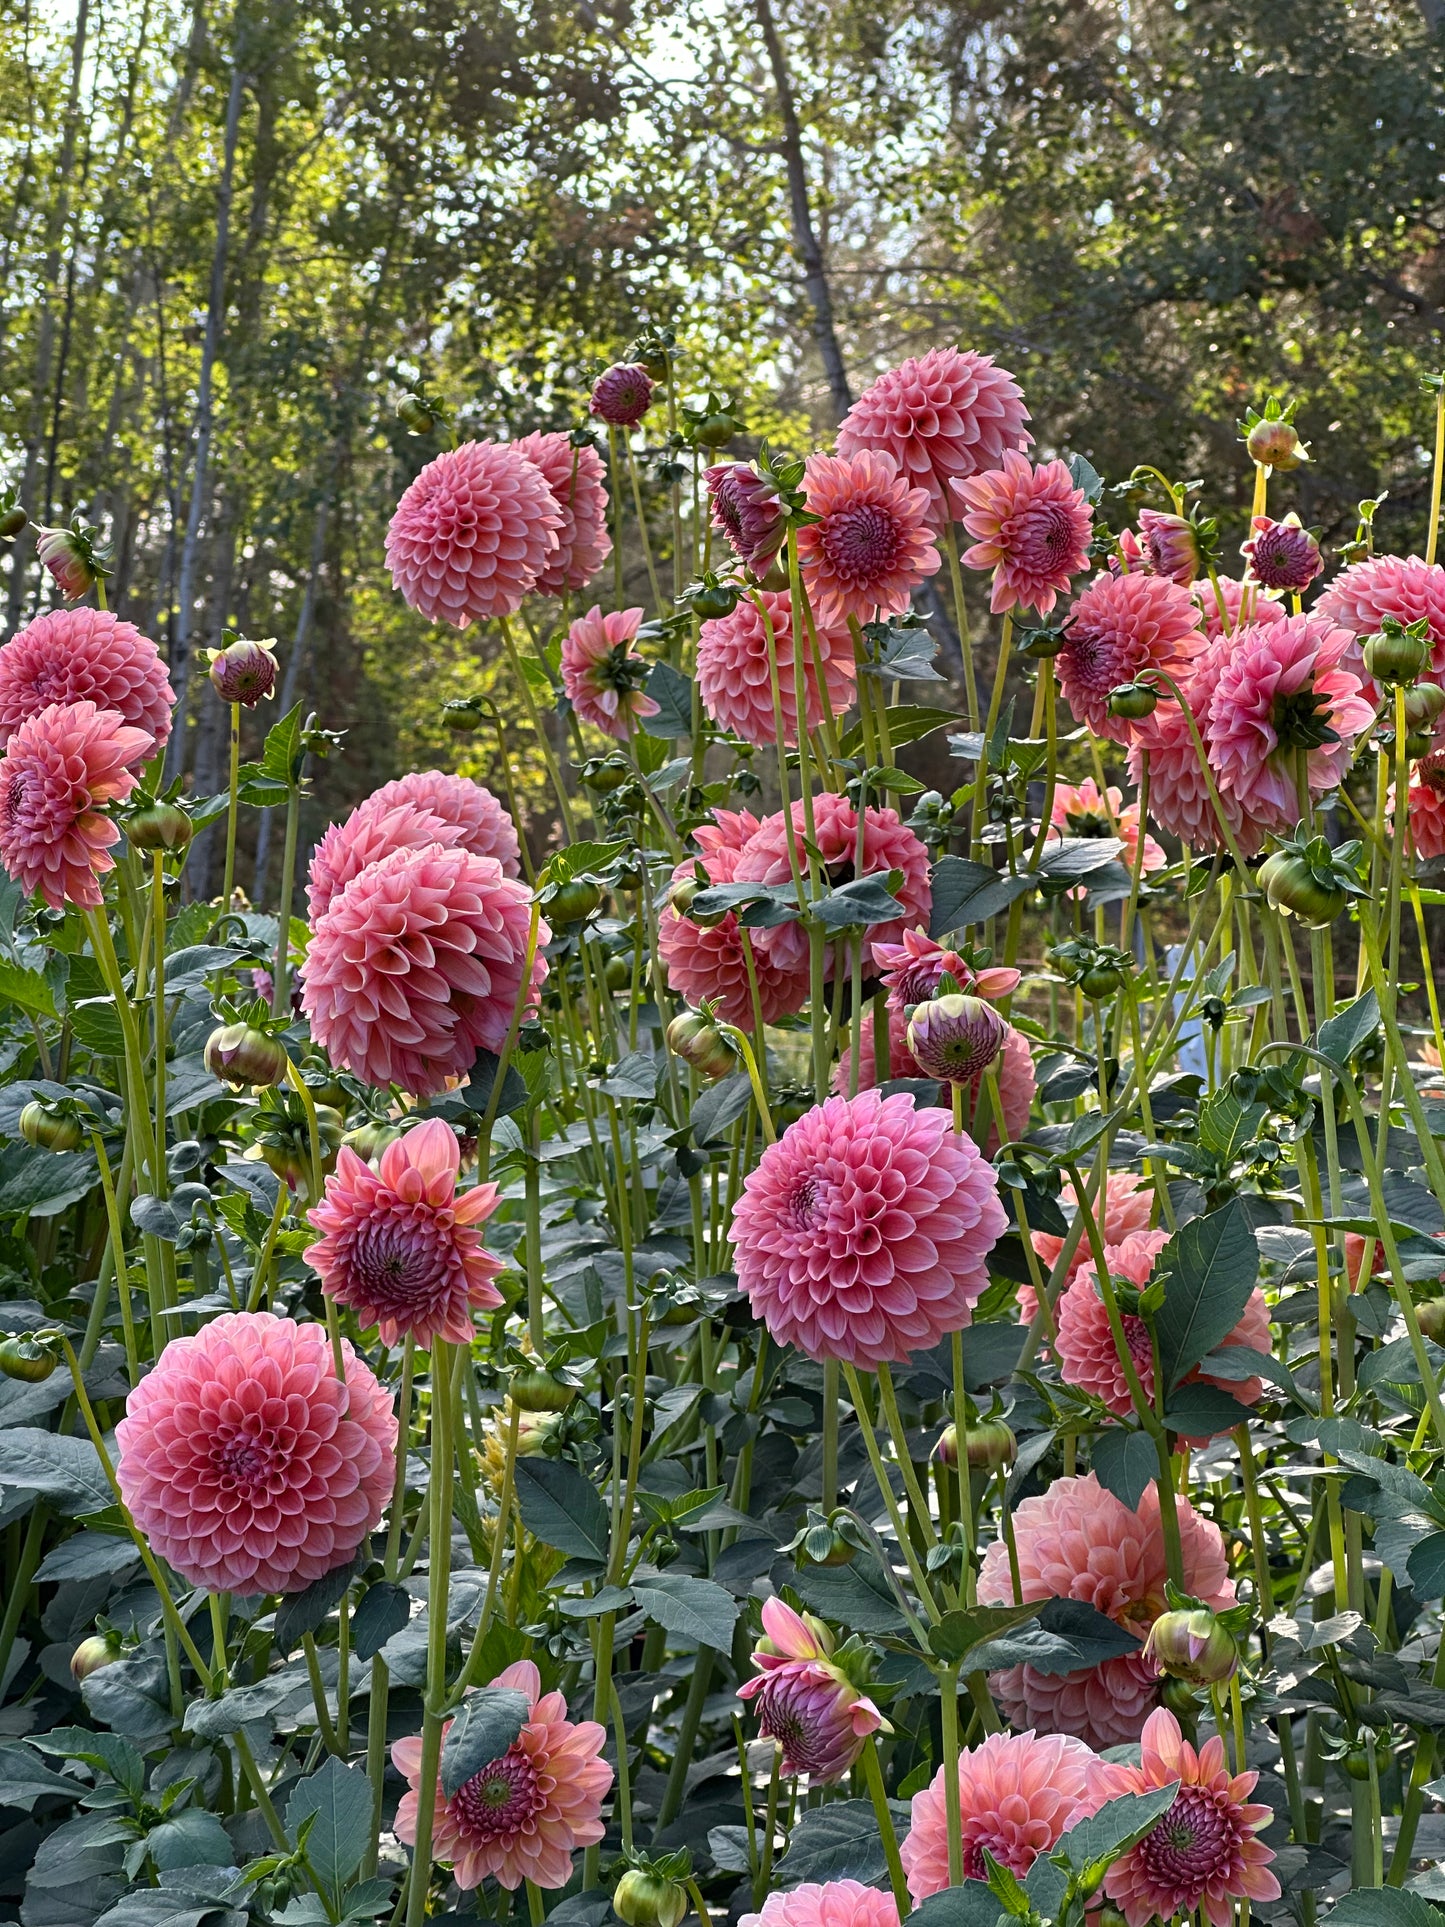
{"x":765,"y":1341}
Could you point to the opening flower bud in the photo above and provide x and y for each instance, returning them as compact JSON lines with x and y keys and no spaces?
{"x":1192,"y":1646}
{"x":240,"y":1055}
{"x":1133,"y":701}
{"x":956,"y":1038}
{"x":696,"y":1039}
{"x":1172,"y":544}
{"x":71,"y":560}
{"x":101,"y":1649}
{"x":1276,"y":444}
{"x":26,"y":1359}
{"x":622,"y":395}
{"x":159,"y":826}
{"x":244,"y":672}
{"x":1282,"y":555}
{"x":1296,"y":889}
{"x":49,"y":1129}
{"x":1423,"y":704}
{"x":646,"y":1899}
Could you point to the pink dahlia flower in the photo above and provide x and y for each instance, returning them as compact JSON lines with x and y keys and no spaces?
{"x":1077,"y":1541}
{"x":399,"y":1245}
{"x":1243,"y":602}
{"x":363,"y":838}
{"x":747,"y":509}
{"x":707,"y":964}
{"x":1031,"y":526}
{"x":416,"y":966}
{"x":829,"y":1903}
{"x":473,"y":534}
{"x":887,"y":845}
{"x":1361,"y":596}
{"x":1128,"y":1207}
{"x":59,"y":768}
{"x":1170,"y":544}
{"x":1280,"y":691}
{"x":1179,"y":799}
{"x":475,"y":819}
{"x":1427,"y":806}
{"x":1282,"y":556}
{"x":85,"y":655}
{"x":1120,"y":628}
{"x":863,"y":1233}
{"x":942,"y":415}
{"x":1013,"y":1067}
{"x":1203,"y":1854}
{"x":621,"y":395}
{"x":871,"y":545}
{"x":807,"y":1704}
{"x":1019,"y":1792}
{"x":1083,"y":809}
{"x":247,"y":1463}
{"x":520,"y":1817}
{"x":913,"y":970}
{"x":601,"y":676}
{"x":577,"y":480}
{"x":735,"y":682}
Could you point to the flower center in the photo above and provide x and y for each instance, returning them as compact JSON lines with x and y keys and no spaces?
{"x":501,"y":1799}
{"x":243,"y":1460}
{"x":397,"y":1270}
{"x":1430,"y":771}
{"x":803,"y":1203}
{"x":15,"y":796}
{"x":1301,"y":721}
{"x":1196,"y":1838}
{"x":1047,"y":534}
{"x":862,"y":542}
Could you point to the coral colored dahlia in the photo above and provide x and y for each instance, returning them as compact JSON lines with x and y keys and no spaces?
{"x":476,"y":820}
{"x":1128,"y":1207}
{"x":400,"y":1247}
{"x":1031,"y":526}
{"x":734,"y":677}
{"x":416,"y":966}
{"x":1427,"y":806}
{"x":913,"y":971}
{"x":706,"y":963}
{"x":1077,"y":1541}
{"x":805,"y":1702}
{"x":1361,"y":596}
{"x":862,"y":1235}
{"x":85,"y":655}
{"x":576,"y":478}
{"x":1179,"y":798}
{"x":602,"y":678}
{"x":1083,"y":809}
{"x":747,"y":509}
{"x":522,"y":1816}
{"x":248,"y":1465}
{"x":363,"y":838}
{"x":828,"y":1903}
{"x":1122,"y":627}
{"x":59,"y":768}
{"x":871,"y":545}
{"x":473,"y":534}
{"x":1243,"y":602}
{"x":1283,"y":556}
{"x":1203,"y":1855}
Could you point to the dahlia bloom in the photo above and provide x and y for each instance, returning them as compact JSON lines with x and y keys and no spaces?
{"x":913,"y":969}
{"x":1179,"y":799}
{"x":829,"y":1903}
{"x":1427,"y":806}
{"x":1083,"y":809}
{"x":942,"y":415}
{"x":576,"y":478}
{"x":70,"y":557}
{"x":863,"y":1233}
{"x":1361,"y":596}
{"x":1031,"y":526}
{"x":244,"y":671}
{"x":399,"y":1245}
{"x":59,"y":767}
{"x":707,"y":965}
{"x":621,"y":395}
{"x":475,"y":819}
{"x":887,"y":845}
{"x":805,"y":1702}
{"x":1121,"y":627}
{"x":735,"y":683}
{"x":85,"y":655}
{"x":746,"y":508}
{"x":248,"y":1465}
{"x":956,"y":1038}
{"x":1243,"y":601}
{"x":1013,"y":1070}
{"x":1203,"y":1853}
{"x":1128,"y":1207}
{"x":416,"y":966}
{"x":1019,"y":1793}
{"x":522,"y":1816}
{"x":363,"y":838}
{"x":1171,"y":544}
{"x":871,"y":545}
{"x":472,"y":535}
{"x":1077,"y":1541}
{"x":1282,"y":556}
{"x":601,"y":677}
{"x":1279,"y":689}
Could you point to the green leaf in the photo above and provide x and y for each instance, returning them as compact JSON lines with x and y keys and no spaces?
{"x":840,"y":1841}
{"x":190,"y":1838}
{"x":1116,"y":1827}
{"x":1211,"y":1265}
{"x":1201,"y":1411}
{"x":957,"y":1633}
{"x":1384,"y":1907}
{"x":302,"y":1612}
{"x":672,"y":692}
{"x":974,"y":1904}
{"x":965,"y":892}
{"x":856,"y":1595}
{"x":696,"y":1609}
{"x":864,"y":900}
{"x":562,"y":1509}
{"x":906,"y":724}
{"x":1078,"y":856}
{"x":64,"y":1471}
{"x":163,"y":1907}
{"x":478,"y":1087}
{"x":108,"y":1753}
{"x":486,"y":1726}
{"x":382,"y":1610}
{"x":1086,"y":477}
{"x":96,"y":1024}
{"x":27,"y":988}
{"x":88,"y":1555}
{"x":1006,"y":1887}
{"x":719,"y":1107}
{"x":24,"y":1779}
{"x":1342,"y":1035}
{"x":905,"y":652}
{"x":43,"y":1183}
{"x":280,"y":754}
{"x":1070,"y":1637}
{"x":1426,"y":1566}
{"x":1124,"y":1463}
{"x":340,"y":1797}
{"x":633,"y":1076}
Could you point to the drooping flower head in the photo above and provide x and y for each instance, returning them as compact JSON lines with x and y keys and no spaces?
{"x":1361,"y":596}
{"x":1077,"y":1541}
{"x":1171,"y":545}
{"x":805,"y":1700}
{"x":706,"y":963}
{"x":416,"y":966}
{"x":1120,"y":628}
{"x":1012,"y":1071}
{"x":747,"y":508}
{"x":248,"y":1465}
{"x":734,"y":677}
{"x":942,"y":415}
{"x":913,"y":969}
{"x":85,"y":655}
{"x":476,"y":820}
{"x":871,"y":545}
{"x":1031,"y":526}
{"x":1243,"y":602}
{"x":1427,"y":806}
{"x":400,"y":1247}
{"x":863,"y":1233}
{"x":71,"y":556}
{"x":621,"y":395}
{"x":1283,"y":556}
{"x":577,"y":480}
{"x":828,"y":1903}
{"x":1204,"y":1854}
{"x":1083,"y":809}
{"x":522,"y":1816}
{"x":472,"y":535}
{"x":59,"y":768}
{"x":602,"y":677}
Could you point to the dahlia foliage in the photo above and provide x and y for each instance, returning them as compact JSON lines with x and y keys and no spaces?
{"x":715,"y":1330}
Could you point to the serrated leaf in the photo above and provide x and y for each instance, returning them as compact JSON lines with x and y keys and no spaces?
{"x":563,"y":1509}
{"x":1212,"y":1264}
{"x":27,"y":988}
{"x":965,"y":892}
{"x":974,"y":1904}
{"x":340,"y":1798}
{"x":1340,"y":1036}
{"x":1117,"y":1826}
{"x":856,"y":1595}
{"x":696,"y":1609}
{"x":957,"y":1633}
{"x":719,"y":1107}
{"x":64,"y":1471}
{"x":862,"y":901}
{"x":1124,"y":1462}
{"x":487,"y":1724}
{"x":672,"y":692}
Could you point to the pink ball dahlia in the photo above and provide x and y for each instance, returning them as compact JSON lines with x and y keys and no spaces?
{"x":747,"y":509}
{"x":416,"y":966}
{"x":1031,"y":526}
{"x":1282,"y":556}
{"x":734,"y":680}
{"x":85,"y":655}
{"x":1179,"y":799}
{"x":248,"y":1465}
{"x":1121,"y":627}
{"x":520,"y":1817}
{"x":1203,"y":1854}
{"x":1128,"y":1207}
{"x":1019,"y":1792}
{"x":829,"y":1903}
{"x":363,"y":838}
{"x":707,"y":964}
{"x":1427,"y":806}
{"x":1281,"y":691}
{"x":577,"y":480}
{"x":475,"y":819}
{"x":399,"y":1245}
{"x":807,"y":1704}
{"x":1077,"y":1541}
{"x":472,"y":535}
{"x":1243,"y":601}
{"x":1404,"y":587}
{"x":871,"y":545}
{"x":887,"y":845}
{"x":1013,"y":1067}
{"x":59,"y":768}
{"x":863,"y":1233}
{"x":602,"y":678}
{"x":946,"y":414}
{"x":621,"y":395}
{"x":1083,"y":809}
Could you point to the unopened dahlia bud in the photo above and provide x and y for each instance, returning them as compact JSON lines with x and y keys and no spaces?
{"x":101,"y":1649}
{"x":1133,"y":701}
{"x":12,"y":516}
{"x":1276,"y":444}
{"x":1192,"y":1646}
{"x":535,"y":1389}
{"x":1282,"y":555}
{"x":1398,"y":654}
{"x":1430,"y":1317}
{"x":49,"y":1129}
{"x":26,"y":1358}
{"x":418,"y":414}
{"x":244,"y":671}
{"x":159,"y":826}
{"x":956,"y":1038}
{"x":747,"y":508}
{"x":1423,"y":705}
{"x":696,"y":1039}
{"x":241,"y":1055}
{"x":1172,"y":545}
{"x":988,"y":1446}
{"x":70,"y":556}
{"x":622,"y":395}
{"x":646,"y":1899}
{"x":806,"y":1701}
{"x":369,"y":1140}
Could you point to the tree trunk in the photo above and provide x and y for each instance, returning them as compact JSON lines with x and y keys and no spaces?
{"x":213,"y":728}
{"x":291,"y":682}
